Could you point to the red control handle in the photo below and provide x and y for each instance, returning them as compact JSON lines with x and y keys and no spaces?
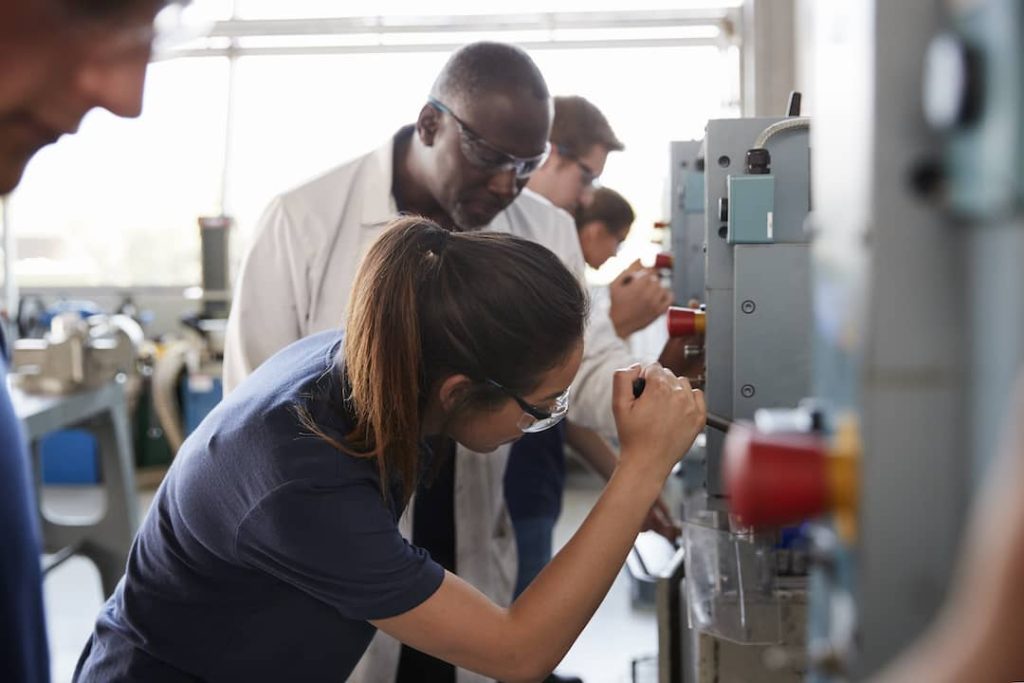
{"x":685,"y":322}
{"x":776,"y":479}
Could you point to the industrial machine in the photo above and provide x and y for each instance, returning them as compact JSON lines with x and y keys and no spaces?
{"x":919,"y":197}
{"x":686,"y":233}
{"x":73,"y":390}
{"x":733,"y":605}
{"x":77,"y":354}
{"x":68,"y":346}
{"x":187,"y":376}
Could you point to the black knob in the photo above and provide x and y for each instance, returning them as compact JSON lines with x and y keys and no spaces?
{"x":759,"y":161}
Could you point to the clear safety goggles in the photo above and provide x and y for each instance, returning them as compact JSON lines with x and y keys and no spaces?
{"x":536,"y":419}
{"x":486,"y":156}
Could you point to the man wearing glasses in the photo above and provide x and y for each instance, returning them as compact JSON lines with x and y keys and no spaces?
{"x":58,"y":60}
{"x":464,"y":163}
{"x":581,"y":140}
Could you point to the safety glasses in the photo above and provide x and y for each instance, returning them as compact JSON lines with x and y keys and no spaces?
{"x":588,"y":177}
{"x":484,"y":155}
{"x":535,"y":419}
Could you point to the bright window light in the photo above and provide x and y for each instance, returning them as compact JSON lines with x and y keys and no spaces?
{"x":117,"y":204}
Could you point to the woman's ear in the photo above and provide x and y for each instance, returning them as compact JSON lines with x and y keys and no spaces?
{"x":451,"y":391}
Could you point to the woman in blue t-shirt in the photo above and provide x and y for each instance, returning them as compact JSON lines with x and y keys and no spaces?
{"x":272,"y":550}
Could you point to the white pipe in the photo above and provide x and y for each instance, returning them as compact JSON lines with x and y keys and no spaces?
{"x":776,"y":128}
{"x":164,"y":388}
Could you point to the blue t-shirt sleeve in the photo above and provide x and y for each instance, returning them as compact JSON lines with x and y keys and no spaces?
{"x":23,"y":649}
{"x":339,"y":543}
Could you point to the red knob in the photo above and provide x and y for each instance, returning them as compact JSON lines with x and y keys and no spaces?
{"x":775,"y":479}
{"x":663,"y":260}
{"x":685,"y":322}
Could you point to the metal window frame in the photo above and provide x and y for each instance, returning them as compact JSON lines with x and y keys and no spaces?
{"x":390,"y":31}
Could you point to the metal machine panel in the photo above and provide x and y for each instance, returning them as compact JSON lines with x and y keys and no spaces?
{"x":771,"y":327}
{"x":687,"y":215}
{"x":694,"y":188}
{"x":725,"y":148}
{"x":752,"y":209}
{"x":718,"y":355}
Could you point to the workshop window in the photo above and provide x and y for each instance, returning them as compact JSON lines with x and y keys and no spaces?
{"x":131,"y":190}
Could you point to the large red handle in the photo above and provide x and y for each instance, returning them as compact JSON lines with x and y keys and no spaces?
{"x":776,"y":479}
{"x":685,"y":322}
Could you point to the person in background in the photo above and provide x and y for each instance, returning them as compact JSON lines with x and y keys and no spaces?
{"x":58,"y":60}
{"x":581,"y":140}
{"x":465,"y":162}
{"x":272,"y":550}
{"x":603,"y":225}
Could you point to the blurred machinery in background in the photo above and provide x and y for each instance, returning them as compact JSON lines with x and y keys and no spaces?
{"x":686,"y":235}
{"x":72,"y":389}
{"x":923,"y":219}
{"x":76,"y":349}
{"x":187,"y":376}
{"x":919,"y":194}
{"x":68,"y":346}
{"x":77,"y":353}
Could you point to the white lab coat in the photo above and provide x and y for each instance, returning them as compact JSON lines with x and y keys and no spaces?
{"x":295,"y":281}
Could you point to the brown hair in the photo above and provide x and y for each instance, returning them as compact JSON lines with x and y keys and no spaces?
{"x":579,"y":125}
{"x":609,"y":207}
{"x":426,"y":304}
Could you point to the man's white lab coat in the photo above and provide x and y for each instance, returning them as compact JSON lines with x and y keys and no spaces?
{"x":295,"y":281}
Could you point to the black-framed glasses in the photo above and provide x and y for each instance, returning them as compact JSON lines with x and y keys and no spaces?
{"x":535,"y":419}
{"x":588,"y":176}
{"x":484,"y":155}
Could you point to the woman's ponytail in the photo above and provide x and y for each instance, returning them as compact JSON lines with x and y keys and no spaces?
{"x":383,"y":355}
{"x":427,"y":304}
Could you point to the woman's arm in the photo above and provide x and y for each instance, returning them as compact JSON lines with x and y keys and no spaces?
{"x":598,"y":453}
{"x":527,"y":640}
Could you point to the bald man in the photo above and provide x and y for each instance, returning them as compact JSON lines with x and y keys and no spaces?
{"x":464,"y":163}
{"x":58,"y":60}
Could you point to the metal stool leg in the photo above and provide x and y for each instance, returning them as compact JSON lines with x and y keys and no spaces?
{"x":107,"y":541}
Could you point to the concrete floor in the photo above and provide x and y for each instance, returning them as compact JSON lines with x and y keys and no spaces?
{"x":603,"y":654}
{"x":618,"y":633}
